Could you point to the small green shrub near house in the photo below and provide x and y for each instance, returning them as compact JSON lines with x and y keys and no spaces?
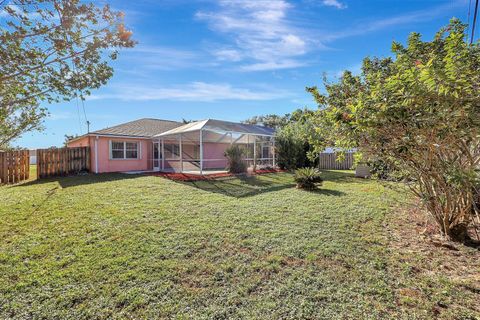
{"x":308,"y":178}
{"x":235,"y":156}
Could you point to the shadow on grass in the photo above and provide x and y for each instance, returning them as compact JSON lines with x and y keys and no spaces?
{"x":79,"y":180}
{"x":242,"y":187}
{"x":50,"y":193}
{"x":328,"y":192}
{"x":238,"y":187}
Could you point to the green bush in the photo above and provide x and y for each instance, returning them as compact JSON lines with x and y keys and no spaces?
{"x":417,"y":111}
{"x":235,"y":156}
{"x":291,"y":153}
{"x":307,"y":178}
{"x":388,"y":171}
{"x":292,"y":142}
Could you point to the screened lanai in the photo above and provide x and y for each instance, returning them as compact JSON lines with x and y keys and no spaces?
{"x":199,"y":147}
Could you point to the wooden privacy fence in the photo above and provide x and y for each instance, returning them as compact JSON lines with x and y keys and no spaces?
{"x":329,"y":161}
{"x":14,"y":166}
{"x":62,"y":161}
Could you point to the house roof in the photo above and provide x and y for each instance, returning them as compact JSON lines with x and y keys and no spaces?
{"x":146,"y":127}
{"x":219,"y":125}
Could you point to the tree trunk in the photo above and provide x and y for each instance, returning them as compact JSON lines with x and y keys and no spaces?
{"x":458,"y":233}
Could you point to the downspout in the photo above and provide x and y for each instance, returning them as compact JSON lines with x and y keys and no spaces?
{"x":201,"y":152}
{"x":96,"y":154}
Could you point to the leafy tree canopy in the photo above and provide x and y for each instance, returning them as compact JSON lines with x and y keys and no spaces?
{"x":294,"y":131}
{"x":418,"y":111}
{"x":52,"y":50}
{"x":269,"y":120}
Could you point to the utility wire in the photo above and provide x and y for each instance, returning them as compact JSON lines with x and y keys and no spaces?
{"x":85,"y":115}
{"x":474,"y":21}
{"x":79,"y":93}
{"x":468,"y":17}
{"x":79,"y":120}
{"x":83,"y":105}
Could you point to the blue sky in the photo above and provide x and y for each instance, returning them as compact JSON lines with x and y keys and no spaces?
{"x":233,"y":59}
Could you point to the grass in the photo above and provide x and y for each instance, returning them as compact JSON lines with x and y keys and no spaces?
{"x":127,"y":246}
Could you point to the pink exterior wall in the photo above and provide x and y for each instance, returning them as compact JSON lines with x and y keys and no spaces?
{"x":82,"y":142}
{"x":105,"y":164}
{"x":211,"y":151}
{"x":215,"y":151}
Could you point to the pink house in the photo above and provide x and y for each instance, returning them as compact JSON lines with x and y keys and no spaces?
{"x":162,"y":145}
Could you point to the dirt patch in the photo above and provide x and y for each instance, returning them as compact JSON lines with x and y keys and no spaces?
{"x":422,"y":261}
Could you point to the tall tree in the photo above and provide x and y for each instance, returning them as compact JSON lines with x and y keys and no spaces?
{"x":293,"y":132}
{"x":52,"y":50}
{"x":418,"y":112}
{"x":269,"y":120}
{"x":292,"y":140}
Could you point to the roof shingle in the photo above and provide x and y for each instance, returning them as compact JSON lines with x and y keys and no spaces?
{"x":146,"y":127}
{"x":221,"y":125}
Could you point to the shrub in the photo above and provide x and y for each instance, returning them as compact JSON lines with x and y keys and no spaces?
{"x":235,"y":156}
{"x":292,"y":141}
{"x":382,"y":170}
{"x":291,"y":153}
{"x":307,"y":178}
{"x":418,"y":112}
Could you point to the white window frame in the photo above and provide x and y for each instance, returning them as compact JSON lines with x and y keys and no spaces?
{"x":139,"y":149}
{"x":266,"y":146}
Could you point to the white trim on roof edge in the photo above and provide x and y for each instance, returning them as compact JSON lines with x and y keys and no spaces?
{"x":110,"y":136}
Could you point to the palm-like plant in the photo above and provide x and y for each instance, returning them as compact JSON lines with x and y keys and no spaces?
{"x":308,"y":178}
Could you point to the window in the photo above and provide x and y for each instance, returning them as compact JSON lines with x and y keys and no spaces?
{"x":172,"y":151}
{"x":131,"y":150}
{"x":265,"y":151}
{"x":124,"y":150}
{"x":117,"y":150}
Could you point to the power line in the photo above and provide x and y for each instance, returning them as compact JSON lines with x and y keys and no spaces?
{"x":474,"y":21}
{"x":79,"y":94}
{"x":78,"y":113}
{"x":85,"y":115}
{"x":468,"y":17}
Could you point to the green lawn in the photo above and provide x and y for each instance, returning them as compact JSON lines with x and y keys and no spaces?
{"x":129,"y":246}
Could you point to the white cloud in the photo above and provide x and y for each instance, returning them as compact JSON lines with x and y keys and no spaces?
{"x":195,"y":91}
{"x":271,"y":65}
{"x":12,"y":7}
{"x":60,"y":116}
{"x":261,"y":33}
{"x":409,"y":18}
{"x":334,"y":3}
{"x":159,"y":58}
{"x":17,"y":10}
{"x":228,"y":54}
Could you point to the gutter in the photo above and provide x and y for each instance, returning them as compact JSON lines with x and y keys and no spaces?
{"x":109,"y":136}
